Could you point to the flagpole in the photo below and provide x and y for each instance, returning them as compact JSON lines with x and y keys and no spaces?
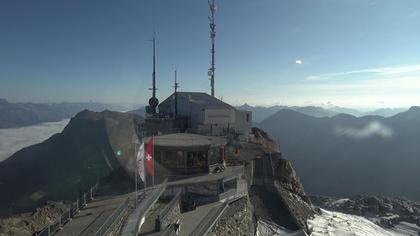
{"x":144,"y":169}
{"x":153,"y":158}
{"x":135,"y":179}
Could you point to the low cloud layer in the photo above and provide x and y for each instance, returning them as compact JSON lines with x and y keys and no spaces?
{"x":12,"y":140}
{"x":374,"y":128}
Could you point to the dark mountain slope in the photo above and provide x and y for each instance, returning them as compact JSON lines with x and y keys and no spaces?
{"x":346,"y":155}
{"x":85,"y":152}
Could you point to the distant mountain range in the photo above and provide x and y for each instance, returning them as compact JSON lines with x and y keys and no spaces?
{"x":140,"y":111}
{"x":24,"y":114}
{"x":259,"y":113}
{"x":347,"y":155}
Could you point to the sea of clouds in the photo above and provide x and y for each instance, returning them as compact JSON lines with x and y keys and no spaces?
{"x":14,"y":139}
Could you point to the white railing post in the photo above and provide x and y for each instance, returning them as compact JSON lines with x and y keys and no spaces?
{"x":77,"y":206}
{"x":61,"y":223}
{"x":84,"y":199}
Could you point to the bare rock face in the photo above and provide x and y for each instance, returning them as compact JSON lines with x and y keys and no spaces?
{"x":287,"y":179}
{"x":236,"y":220}
{"x":288,"y":186}
{"x":26,"y":224}
{"x":259,"y":136}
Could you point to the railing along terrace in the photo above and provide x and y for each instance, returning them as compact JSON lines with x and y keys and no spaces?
{"x":144,"y":133}
{"x":106,"y":226}
{"x":67,"y":215}
{"x":165,"y":212}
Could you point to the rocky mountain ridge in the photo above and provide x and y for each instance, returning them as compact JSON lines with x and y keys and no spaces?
{"x":24,"y":114}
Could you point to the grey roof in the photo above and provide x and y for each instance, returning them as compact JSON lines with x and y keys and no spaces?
{"x":188,"y":140}
{"x":201,"y":98}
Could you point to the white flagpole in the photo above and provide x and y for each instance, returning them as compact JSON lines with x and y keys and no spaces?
{"x":135,"y":179}
{"x":145,"y":173}
{"x":153,"y":159}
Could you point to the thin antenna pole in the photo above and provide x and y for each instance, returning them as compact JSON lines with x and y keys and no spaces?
{"x":135,"y":158}
{"x":176,"y":86}
{"x":154,"y":66}
{"x":153,"y":159}
{"x":212,"y":36}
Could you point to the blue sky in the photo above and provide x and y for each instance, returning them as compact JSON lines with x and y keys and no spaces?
{"x":354,"y":53}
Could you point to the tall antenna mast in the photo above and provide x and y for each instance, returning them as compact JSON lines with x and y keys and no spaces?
{"x":176,"y":86}
{"x":212,"y":36}
{"x":153,"y":101}
{"x":154,"y":66}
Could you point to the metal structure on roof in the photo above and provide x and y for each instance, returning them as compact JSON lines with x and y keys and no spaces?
{"x":213,"y":37}
{"x":153,"y":101}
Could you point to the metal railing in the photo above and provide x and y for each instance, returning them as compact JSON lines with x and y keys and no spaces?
{"x":103,"y":230}
{"x":149,"y":133}
{"x":66,"y":216}
{"x":133,"y":222}
{"x":168,"y":208}
{"x":208,"y":222}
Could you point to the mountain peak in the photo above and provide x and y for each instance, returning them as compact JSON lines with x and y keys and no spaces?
{"x":3,"y":101}
{"x":415,"y":109}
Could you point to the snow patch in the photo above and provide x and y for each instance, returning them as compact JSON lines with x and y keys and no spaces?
{"x":340,"y":202}
{"x":340,"y":224}
{"x":269,"y":228}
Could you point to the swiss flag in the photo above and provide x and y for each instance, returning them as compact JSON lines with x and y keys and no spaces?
{"x":149,"y":157}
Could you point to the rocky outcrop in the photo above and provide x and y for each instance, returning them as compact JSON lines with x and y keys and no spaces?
{"x":259,"y":136}
{"x":26,"y":224}
{"x":236,"y":220}
{"x":288,"y":186}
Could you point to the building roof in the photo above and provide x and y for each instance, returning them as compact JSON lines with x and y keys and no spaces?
{"x":200,"y":98}
{"x":188,"y":140}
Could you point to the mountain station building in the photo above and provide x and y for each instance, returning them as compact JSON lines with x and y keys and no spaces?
{"x":205,"y":114}
{"x":186,"y":153}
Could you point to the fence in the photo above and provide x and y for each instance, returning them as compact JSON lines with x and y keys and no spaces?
{"x":166,"y":213}
{"x":52,"y":228}
{"x":134,"y":221}
{"x":103,"y":230}
{"x":208,"y":222}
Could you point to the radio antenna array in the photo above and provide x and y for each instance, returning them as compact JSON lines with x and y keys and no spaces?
{"x":212,"y":69}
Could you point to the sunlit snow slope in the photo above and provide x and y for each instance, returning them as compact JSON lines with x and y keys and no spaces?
{"x":335,"y":223}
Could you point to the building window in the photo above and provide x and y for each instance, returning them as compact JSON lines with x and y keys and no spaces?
{"x":247,"y":117}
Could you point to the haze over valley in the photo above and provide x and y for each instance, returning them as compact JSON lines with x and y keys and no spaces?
{"x":14,"y":139}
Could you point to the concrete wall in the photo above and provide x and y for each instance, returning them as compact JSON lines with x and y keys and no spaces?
{"x":200,"y":117}
{"x":219,"y":116}
{"x":243,"y":123}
